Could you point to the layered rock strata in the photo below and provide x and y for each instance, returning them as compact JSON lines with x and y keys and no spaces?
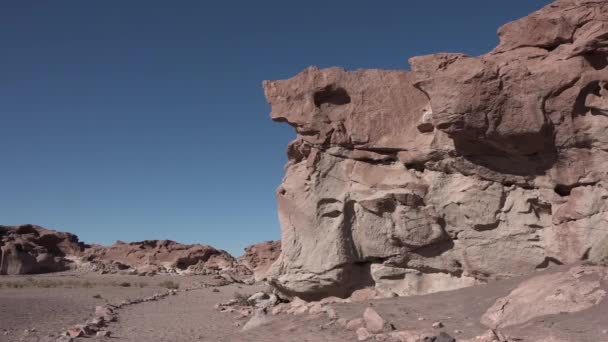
{"x":463,"y":170}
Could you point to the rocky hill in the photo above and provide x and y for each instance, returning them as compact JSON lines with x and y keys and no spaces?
{"x":463,"y":170}
{"x":30,"y":249}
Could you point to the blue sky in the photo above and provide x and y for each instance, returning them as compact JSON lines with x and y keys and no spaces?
{"x":132,"y":120}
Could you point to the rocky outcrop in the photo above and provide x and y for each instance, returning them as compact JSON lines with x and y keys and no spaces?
{"x":160,"y":256}
{"x":463,"y":170}
{"x":29,"y":249}
{"x":259,"y":257}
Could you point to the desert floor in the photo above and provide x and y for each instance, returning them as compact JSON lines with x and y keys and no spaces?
{"x":33,"y":307}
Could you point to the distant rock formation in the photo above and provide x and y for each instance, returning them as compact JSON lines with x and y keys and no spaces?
{"x":159,"y":256}
{"x":259,"y":257}
{"x":463,"y":170}
{"x":29,"y":249}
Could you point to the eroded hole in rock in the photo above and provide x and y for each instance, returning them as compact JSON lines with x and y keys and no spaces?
{"x":580,"y":107}
{"x":562,"y":190}
{"x":597,"y":61}
{"x":415,"y":166}
{"x":331,"y":96}
{"x":586,"y":254}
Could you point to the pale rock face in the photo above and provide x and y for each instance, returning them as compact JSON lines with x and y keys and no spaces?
{"x":463,"y":170}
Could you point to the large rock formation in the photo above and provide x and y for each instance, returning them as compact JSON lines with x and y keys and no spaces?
{"x":463,"y":170}
{"x":29,"y":249}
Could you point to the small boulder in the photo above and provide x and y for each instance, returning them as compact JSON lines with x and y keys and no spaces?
{"x":373,"y":321}
{"x":355,"y":324}
{"x":316,"y":308}
{"x":437,"y":325}
{"x":105,"y":312}
{"x":104,"y":333}
{"x":260,"y":317}
{"x":363,"y":334}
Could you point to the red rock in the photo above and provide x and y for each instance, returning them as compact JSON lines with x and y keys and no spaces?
{"x":30,"y":249}
{"x":259,"y":257}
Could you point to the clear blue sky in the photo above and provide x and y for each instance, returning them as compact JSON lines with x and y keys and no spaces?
{"x":145,"y":119}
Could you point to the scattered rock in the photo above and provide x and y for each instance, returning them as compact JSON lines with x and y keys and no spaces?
{"x":437,"y":325}
{"x":104,"y":333}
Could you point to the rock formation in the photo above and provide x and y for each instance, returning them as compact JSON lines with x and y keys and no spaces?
{"x":259,"y":257}
{"x":463,"y":170}
{"x":29,"y":249}
{"x":159,"y":256}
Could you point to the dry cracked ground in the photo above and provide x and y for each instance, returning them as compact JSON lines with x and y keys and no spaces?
{"x":43,"y":307}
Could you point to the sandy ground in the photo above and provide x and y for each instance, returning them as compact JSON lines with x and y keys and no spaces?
{"x":190,"y":316}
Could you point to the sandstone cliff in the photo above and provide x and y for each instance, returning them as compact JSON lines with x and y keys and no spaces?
{"x":463,"y":170}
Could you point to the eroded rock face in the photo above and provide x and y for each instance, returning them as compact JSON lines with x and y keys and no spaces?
{"x":463,"y":170}
{"x":29,"y":249}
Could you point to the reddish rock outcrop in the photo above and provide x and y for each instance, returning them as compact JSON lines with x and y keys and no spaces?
{"x":160,"y":256}
{"x":259,"y":257}
{"x":463,"y":170}
{"x":29,"y":249}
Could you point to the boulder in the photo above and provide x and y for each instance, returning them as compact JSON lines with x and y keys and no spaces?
{"x":373,"y":321}
{"x":558,"y":293}
{"x":464,"y":170}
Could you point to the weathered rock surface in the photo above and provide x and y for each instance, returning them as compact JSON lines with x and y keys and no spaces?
{"x":29,"y":249}
{"x":259,"y":257}
{"x":463,"y":170}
